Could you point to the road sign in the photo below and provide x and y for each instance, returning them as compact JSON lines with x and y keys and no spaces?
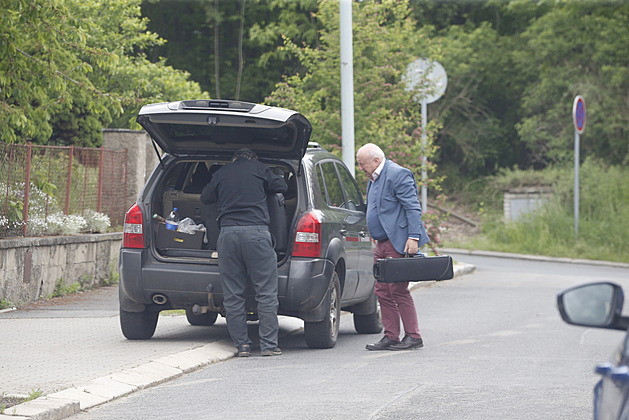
{"x":427,"y":76}
{"x":429,"y":79}
{"x":578,"y":114}
{"x":578,"y":117}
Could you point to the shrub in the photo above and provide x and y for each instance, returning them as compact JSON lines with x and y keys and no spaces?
{"x":603,"y":208}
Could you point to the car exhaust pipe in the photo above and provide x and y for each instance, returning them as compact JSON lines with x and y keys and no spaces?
{"x":160,"y":299}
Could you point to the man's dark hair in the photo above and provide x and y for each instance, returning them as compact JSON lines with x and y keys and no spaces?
{"x":245,"y":153}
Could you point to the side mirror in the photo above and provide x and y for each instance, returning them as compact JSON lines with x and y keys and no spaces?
{"x":597,"y":305}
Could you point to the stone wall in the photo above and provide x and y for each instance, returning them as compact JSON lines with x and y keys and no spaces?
{"x":141,"y":157}
{"x":31,"y":268}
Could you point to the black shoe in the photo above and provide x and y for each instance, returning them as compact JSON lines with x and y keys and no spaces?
{"x":408,"y":343}
{"x":383,"y":344}
{"x":276,"y":351}
{"x":244,"y":350}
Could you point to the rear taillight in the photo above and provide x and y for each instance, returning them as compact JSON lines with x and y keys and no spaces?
{"x":133,"y":234}
{"x":308,"y":237}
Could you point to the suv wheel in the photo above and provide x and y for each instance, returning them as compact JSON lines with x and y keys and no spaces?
{"x":369,"y":323}
{"x":138,"y":325}
{"x":206,"y":319}
{"x":323,"y":334}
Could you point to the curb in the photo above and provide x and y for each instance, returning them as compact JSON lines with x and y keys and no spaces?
{"x":534,"y":257}
{"x":8,"y":310}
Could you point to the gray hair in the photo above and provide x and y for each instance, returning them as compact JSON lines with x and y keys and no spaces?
{"x":373,"y":151}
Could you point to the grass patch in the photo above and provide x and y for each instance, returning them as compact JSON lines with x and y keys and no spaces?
{"x":603,"y":208}
{"x":114,"y":277}
{"x":7,"y":401}
{"x":173,"y":312}
{"x":4,"y":304}
{"x":61,"y":288}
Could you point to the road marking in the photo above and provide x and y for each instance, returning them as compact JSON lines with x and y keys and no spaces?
{"x":460,"y":342}
{"x":504,"y":333}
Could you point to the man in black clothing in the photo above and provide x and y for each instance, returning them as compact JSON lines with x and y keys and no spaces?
{"x":245,"y":247}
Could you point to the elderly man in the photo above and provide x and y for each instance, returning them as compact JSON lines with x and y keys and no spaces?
{"x":394,"y":218}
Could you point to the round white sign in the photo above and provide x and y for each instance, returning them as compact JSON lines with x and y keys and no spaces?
{"x":428,"y":77}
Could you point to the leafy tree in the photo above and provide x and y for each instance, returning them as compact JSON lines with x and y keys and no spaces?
{"x":230,"y":47}
{"x":117,"y":26}
{"x":576,"y":48}
{"x":514,"y":68}
{"x":383,"y":37}
{"x":480,"y":107}
{"x":69,"y":68}
{"x":41,"y":68}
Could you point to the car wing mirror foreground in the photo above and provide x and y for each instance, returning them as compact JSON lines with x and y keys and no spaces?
{"x":597,"y":305}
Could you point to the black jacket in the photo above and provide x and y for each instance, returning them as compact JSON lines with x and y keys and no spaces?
{"x":241,"y":188}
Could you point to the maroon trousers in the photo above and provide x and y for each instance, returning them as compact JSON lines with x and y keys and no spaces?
{"x":395,"y":300}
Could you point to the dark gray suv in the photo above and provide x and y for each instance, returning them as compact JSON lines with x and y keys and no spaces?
{"x":321,"y":239}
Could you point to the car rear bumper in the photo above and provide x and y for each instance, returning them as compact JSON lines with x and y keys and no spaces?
{"x":302,"y":283}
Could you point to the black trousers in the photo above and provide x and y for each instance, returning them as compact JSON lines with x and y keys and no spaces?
{"x":246,"y":253}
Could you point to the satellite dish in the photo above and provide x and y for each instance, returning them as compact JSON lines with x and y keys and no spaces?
{"x":428,"y":77}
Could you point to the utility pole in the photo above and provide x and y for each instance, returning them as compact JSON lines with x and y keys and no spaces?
{"x":347,"y":85}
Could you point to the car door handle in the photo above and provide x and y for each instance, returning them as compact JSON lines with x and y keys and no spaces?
{"x":343,"y":232}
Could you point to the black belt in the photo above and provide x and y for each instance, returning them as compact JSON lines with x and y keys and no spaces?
{"x":233,"y":228}
{"x":381,"y":241}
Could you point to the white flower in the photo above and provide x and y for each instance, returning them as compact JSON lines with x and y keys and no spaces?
{"x":37,"y":226}
{"x":55,"y":223}
{"x":96,"y":222}
{"x":74,"y":224}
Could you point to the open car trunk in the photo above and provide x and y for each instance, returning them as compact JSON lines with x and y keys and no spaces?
{"x":180,"y":187}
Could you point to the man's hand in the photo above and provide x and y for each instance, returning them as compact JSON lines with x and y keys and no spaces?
{"x":411,"y":247}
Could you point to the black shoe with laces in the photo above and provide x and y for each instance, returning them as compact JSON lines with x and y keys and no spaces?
{"x":408,"y":343}
{"x":383,"y":344}
{"x":276,"y":351}
{"x":244,"y":350}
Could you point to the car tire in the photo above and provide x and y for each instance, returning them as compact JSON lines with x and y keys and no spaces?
{"x":369,"y":323}
{"x":206,"y":319}
{"x":323,"y":334}
{"x":138,"y":325}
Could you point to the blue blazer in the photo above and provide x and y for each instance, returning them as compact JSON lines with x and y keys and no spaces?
{"x":398,"y":206}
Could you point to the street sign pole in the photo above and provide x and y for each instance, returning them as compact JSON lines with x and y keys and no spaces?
{"x":347,"y":85}
{"x":578,"y":118}
{"x":576,"y":182}
{"x":430,"y":79}
{"x":424,"y":189}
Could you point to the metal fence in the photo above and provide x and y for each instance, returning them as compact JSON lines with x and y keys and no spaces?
{"x":39,"y":182}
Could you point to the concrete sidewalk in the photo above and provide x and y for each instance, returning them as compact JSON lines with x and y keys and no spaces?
{"x":72,"y":350}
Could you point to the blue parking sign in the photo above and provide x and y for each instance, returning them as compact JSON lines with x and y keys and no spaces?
{"x":578,"y":114}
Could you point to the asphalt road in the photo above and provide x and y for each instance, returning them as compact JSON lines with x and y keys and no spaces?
{"x":496,"y":348}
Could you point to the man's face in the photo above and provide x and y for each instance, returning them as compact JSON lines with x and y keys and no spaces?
{"x":367,"y":164}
